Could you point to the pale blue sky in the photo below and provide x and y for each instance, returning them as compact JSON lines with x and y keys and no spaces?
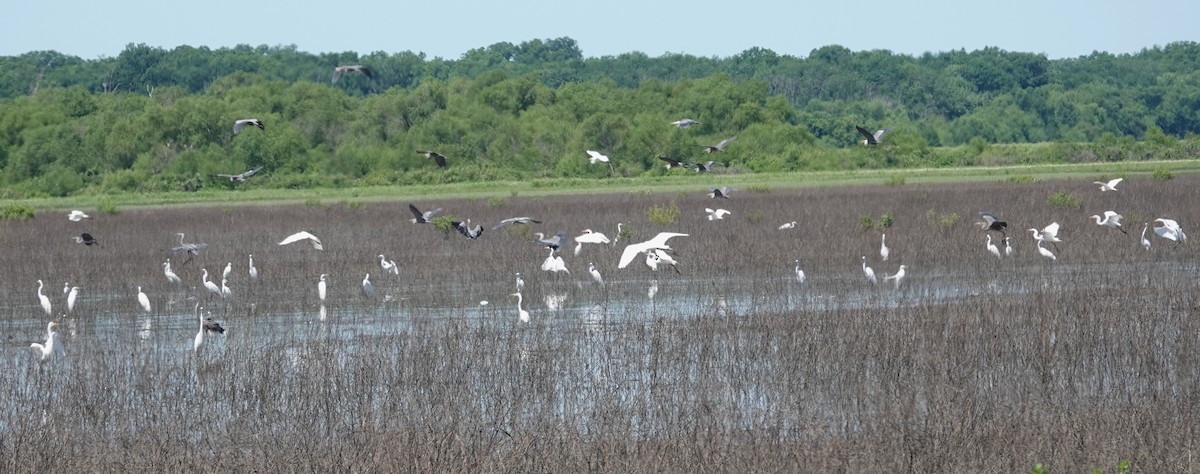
{"x":448,"y":28}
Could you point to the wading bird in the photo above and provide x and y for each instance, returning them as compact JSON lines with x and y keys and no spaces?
{"x":716,"y":214}
{"x":992,"y":247}
{"x":1145,"y":241}
{"x":788,"y":225}
{"x":77,"y":215}
{"x":658,"y":242}
{"x":1047,"y":234}
{"x":422,"y":217}
{"x":228,"y":269}
{"x":883,"y":248}
{"x":1008,"y":250}
{"x":86,"y":239}
{"x":389,"y":266}
{"x":302,"y":235}
{"x":192,"y":249}
{"x":253,"y":269}
{"x":437,"y":158}
{"x":338,"y":71}
{"x":554,"y":263}
{"x":253,"y":122}
{"x":226,"y":293}
{"x":516,"y":220}
{"x":1045,"y":252}
{"x":520,"y":282}
{"x":465,"y":229}
{"x":368,"y":288}
{"x":71,"y":296}
{"x":595,"y":157}
{"x":1169,"y":229}
{"x":1111,"y":220}
{"x":870,"y":273}
{"x":684,"y":123}
{"x":321,"y":288}
{"x":1110,"y":185}
{"x":897,"y":277}
{"x":241,"y":177}
{"x":721,"y":193}
{"x":207,"y":325}
{"x":143,"y":300}
{"x":522,"y":315}
{"x":595,"y":274}
{"x":719,"y":147}
{"x":990,"y":222}
{"x":589,"y":237}
{"x":208,"y":285}
{"x":170,"y":274}
{"x":800,"y":277}
{"x":52,"y":346}
{"x":872,"y":138}
{"x":45,"y":300}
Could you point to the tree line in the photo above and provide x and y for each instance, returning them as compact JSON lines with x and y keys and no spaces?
{"x":156,"y":119}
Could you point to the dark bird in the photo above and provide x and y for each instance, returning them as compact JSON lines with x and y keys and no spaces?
{"x":86,"y":239}
{"x":706,"y":167}
{"x":191,"y":249}
{"x":465,"y":229}
{"x":337,"y":71}
{"x":872,"y":138}
{"x":675,"y":163}
{"x":238,"y":178}
{"x":516,"y":220}
{"x":212,"y":326}
{"x":435,"y":156}
{"x":722,"y":193}
{"x":990,"y":222}
{"x":720,"y":146}
{"x":553,"y":242}
{"x":422,"y":217}
{"x":238,"y":125}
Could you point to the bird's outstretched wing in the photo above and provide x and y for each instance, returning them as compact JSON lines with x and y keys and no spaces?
{"x":302,"y":235}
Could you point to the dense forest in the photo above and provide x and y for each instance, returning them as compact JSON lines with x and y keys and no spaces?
{"x":152,"y":119}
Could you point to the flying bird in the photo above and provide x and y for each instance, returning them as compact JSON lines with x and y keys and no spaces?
{"x":719,"y":147}
{"x":77,"y":215}
{"x":662,"y":256}
{"x":302,"y":235}
{"x":684,"y":123}
{"x":595,"y":156}
{"x":240,"y":124}
{"x":706,"y":167}
{"x":1111,"y":220}
{"x":671,"y":163}
{"x":722,"y":193}
{"x":553,"y":242}
{"x":86,"y":239}
{"x":1169,"y":229}
{"x":465,"y":229}
{"x":716,"y":214}
{"x":1047,"y":234}
{"x":554,"y":263}
{"x":1110,"y":185}
{"x":991,"y":222}
{"x":516,"y":220}
{"x":788,"y":225}
{"x":872,"y":138}
{"x":435,"y":156}
{"x":422,"y":217}
{"x":589,"y":237}
{"x":190,"y":248}
{"x":242,"y":177}
{"x":658,"y":242}
{"x":338,"y":71}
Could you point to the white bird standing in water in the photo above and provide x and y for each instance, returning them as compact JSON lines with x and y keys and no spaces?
{"x":898,"y":276}
{"x":253,"y":269}
{"x":52,"y":346}
{"x":225,"y":291}
{"x":43,"y":299}
{"x":595,"y":274}
{"x":71,"y":299}
{"x":883,"y":248}
{"x":321,"y":288}
{"x":228,"y":269}
{"x":368,"y":288}
{"x":800,"y":278}
{"x":868,"y":271}
{"x":991,"y":248}
{"x":388,"y":266}
{"x":210,"y":286}
{"x":143,"y":300}
{"x":170,"y":274}
{"x":520,"y":282}
{"x":1145,"y":241}
{"x":1045,"y":252}
{"x":788,"y":225}
{"x":521,"y":313}
{"x":1008,"y":250}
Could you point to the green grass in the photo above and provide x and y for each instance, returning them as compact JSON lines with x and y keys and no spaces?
{"x":651,"y":184}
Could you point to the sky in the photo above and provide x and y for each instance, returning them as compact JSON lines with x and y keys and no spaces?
{"x":448,"y":28}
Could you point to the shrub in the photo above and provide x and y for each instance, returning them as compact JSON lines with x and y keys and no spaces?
{"x":1022,"y":179}
{"x":496,"y":201}
{"x":759,"y":188}
{"x":894,"y":180}
{"x":1162,"y":175}
{"x":755,"y":217}
{"x":108,"y":206}
{"x":663,"y":215}
{"x":17,"y":212}
{"x":941,"y":222}
{"x":1064,"y":200}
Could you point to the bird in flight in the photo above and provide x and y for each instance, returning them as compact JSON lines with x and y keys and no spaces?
{"x":516,"y":220}
{"x":435,"y":156}
{"x":658,"y":242}
{"x":719,"y":146}
{"x":716,"y":214}
{"x":872,"y":138}
{"x":595,"y":156}
{"x":238,"y":178}
{"x":240,"y":124}
{"x":302,"y":235}
{"x":86,"y":239}
{"x":991,"y":222}
{"x":422,"y":217}
{"x":465,"y":229}
{"x":684,"y":123}
{"x":1111,"y":185}
{"x":77,"y":215}
{"x":338,"y":71}
{"x":722,"y":193}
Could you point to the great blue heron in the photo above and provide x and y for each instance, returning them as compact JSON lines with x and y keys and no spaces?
{"x":1111,"y":219}
{"x":719,"y":147}
{"x":553,"y":242}
{"x":671,"y":163}
{"x":191,"y":249}
{"x":422,"y":217}
{"x":1111,"y":185}
{"x":240,"y":124}
{"x":302,"y":235}
{"x":238,"y":178}
{"x":1047,"y":234}
{"x":338,"y":71}
{"x":207,"y":325}
{"x":706,"y":167}
{"x":991,"y":222}
{"x":872,"y":138}
{"x":77,"y":215}
{"x":684,"y":123}
{"x":466,"y":230}
{"x":86,"y":239}
{"x":719,"y":193}
{"x":516,"y":220}
{"x":435,"y":156}
{"x":715,"y":214}
{"x":658,"y":242}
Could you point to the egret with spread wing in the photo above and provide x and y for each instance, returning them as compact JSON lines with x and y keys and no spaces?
{"x":302,"y":235}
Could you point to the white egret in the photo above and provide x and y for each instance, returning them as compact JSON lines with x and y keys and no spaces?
{"x":43,"y":298}
{"x":53,"y":345}
{"x":66,"y":288}
{"x":589,"y":237}
{"x":1111,"y":220}
{"x":228,"y":269}
{"x":617,"y":237}
{"x":207,"y":325}
{"x":883,"y":248}
{"x":1111,"y":185}
{"x":868,"y":271}
{"x":658,"y":242}
{"x":438,"y":158}
{"x":992,"y":247}
{"x":520,"y":282}
{"x":1169,"y":229}
{"x":716,"y":214}
{"x":664,"y":257}
{"x":253,"y":122}
{"x":789,"y":225}
{"x":596,"y":157}
{"x":71,"y":296}
{"x":225,"y":291}
{"x":800,"y":277}
{"x":521,"y":313}
{"x":1145,"y":241}
{"x":1008,"y":250}
{"x":872,"y":138}
{"x":1047,"y":234}
{"x":422,"y":217}
{"x":170,"y":274}
{"x":210,"y":286}
{"x":368,"y":288}
{"x":77,"y":215}
{"x":143,"y":300}
{"x":388,"y":266}
{"x":719,"y":147}
{"x":898,"y":276}
{"x":302,"y":235}
{"x":1045,"y":252}
{"x":240,"y":177}
{"x":253,"y":269}
{"x":652,"y":260}
{"x":595,"y":274}
{"x":554,"y":263}
{"x":321,"y":288}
